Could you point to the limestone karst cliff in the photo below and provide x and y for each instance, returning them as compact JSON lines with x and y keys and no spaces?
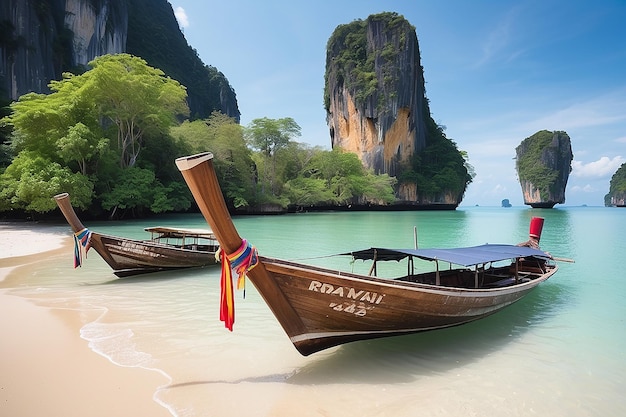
{"x":543,"y":166}
{"x":27,"y":36}
{"x":40,"y":39}
{"x":377,"y":108}
{"x":617,"y":189}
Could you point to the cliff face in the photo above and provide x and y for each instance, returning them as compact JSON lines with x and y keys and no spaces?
{"x":97,"y":31}
{"x":617,"y":189}
{"x":156,"y":37}
{"x":618,"y":200}
{"x":27,"y":37}
{"x":384,"y":126}
{"x":377,"y":108}
{"x":543,"y":166}
{"x":40,"y":39}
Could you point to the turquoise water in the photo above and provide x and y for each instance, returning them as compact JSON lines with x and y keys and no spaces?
{"x":558,"y":352}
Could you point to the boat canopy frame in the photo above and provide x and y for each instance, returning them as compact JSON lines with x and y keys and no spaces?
{"x":476,"y":257}
{"x":184,"y":237}
{"x":465,"y":256}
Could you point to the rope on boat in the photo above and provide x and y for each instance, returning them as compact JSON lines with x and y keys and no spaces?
{"x":241,"y":261}
{"x":82,"y":240}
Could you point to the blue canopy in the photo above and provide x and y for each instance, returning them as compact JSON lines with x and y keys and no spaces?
{"x":474,"y":255}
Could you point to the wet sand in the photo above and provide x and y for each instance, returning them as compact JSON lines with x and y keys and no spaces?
{"x":45,"y":366}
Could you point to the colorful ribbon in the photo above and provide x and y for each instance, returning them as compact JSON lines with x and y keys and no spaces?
{"x":241,"y":261}
{"x":82,"y":239}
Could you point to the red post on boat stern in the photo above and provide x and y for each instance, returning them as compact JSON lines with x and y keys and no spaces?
{"x":536,"y":226}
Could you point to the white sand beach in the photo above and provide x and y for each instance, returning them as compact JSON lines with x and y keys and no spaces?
{"x":45,"y":366}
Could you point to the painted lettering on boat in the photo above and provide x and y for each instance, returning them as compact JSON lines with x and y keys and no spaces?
{"x":363,"y":300}
{"x":346,"y":292}
{"x":358,"y":310}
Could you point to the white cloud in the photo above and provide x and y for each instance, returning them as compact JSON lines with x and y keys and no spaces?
{"x":603,"y":167}
{"x":598,"y":111}
{"x":621,"y":140}
{"x":181,"y":16}
{"x":588,"y":188}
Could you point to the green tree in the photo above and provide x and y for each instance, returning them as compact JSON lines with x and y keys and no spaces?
{"x":96,"y":124}
{"x":270,"y":136}
{"x":31,"y":180}
{"x":234,"y":166}
{"x":306,"y":191}
{"x":344,"y":178}
{"x":137,"y":98}
{"x":81,"y":145}
{"x":136,"y":189}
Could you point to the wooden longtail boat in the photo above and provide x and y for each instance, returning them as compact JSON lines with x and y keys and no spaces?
{"x":319,"y":308}
{"x":169,"y":248}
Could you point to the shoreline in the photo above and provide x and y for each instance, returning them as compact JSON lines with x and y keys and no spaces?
{"x":47,"y":368}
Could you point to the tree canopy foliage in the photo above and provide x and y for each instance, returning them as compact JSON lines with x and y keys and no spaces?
{"x":138,"y":99}
{"x":338,"y":178}
{"x":233,"y":160}
{"x":439,"y":168}
{"x":618,"y":180}
{"x":88,"y":132}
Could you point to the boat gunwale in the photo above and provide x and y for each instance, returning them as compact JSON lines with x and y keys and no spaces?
{"x":305,"y":269}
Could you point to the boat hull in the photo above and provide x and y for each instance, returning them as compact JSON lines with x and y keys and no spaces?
{"x":340,"y":308}
{"x":129,"y":257}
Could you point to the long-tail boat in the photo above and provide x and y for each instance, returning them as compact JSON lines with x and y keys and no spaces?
{"x":168,"y":248}
{"x":319,"y":308}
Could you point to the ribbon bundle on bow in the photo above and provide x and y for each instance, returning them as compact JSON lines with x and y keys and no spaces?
{"x":241,"y":261}
{"x":82,"y":239}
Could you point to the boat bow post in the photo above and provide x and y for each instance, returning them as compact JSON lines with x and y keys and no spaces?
{"x":63,"y":201}
{"x":199,"y":174}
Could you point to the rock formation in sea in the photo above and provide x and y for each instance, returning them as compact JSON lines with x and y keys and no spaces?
{"x":41,"y":39}
{"x":617,"y":189}
{"x":376,"y":107}
{"x":543,"y":166}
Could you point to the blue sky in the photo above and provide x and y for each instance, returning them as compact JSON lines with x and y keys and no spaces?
{"x":496,"y":72}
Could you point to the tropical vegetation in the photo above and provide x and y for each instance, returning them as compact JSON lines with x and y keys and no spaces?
{"x":109,"y":137}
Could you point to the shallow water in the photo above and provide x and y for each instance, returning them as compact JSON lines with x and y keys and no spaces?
{"x":558,"y":352}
